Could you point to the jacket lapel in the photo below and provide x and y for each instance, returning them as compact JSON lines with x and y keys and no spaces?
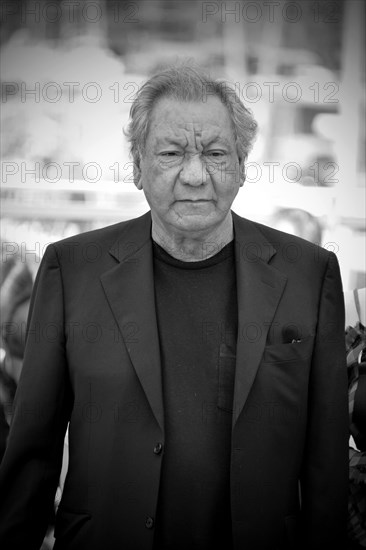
{"x":259,"y":288}
{"x":129,"y":288}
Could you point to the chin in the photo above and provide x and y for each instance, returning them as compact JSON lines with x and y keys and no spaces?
{"x":196,"y":223}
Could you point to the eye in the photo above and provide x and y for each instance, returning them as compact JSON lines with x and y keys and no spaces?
{"x":216,"y":153}
{"x":170,"y":153}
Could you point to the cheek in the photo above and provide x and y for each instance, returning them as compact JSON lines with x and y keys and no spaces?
{"x":226,"y":176}
{"x":158,"y":187}
{"x":226,"y":185}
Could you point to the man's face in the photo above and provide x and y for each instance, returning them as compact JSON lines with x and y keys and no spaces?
{"x":190,"y":170}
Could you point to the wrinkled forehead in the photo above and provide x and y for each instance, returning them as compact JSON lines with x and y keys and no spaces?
{"x":186,"y":134}
{"x":190,"y":123}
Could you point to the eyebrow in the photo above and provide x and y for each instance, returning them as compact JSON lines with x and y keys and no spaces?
{"x":170,"y":141}
{"x":167,"y":141}
{"x":218,"y":140}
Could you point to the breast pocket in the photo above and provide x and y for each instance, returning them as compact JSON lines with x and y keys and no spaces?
{"x":289,"y":352}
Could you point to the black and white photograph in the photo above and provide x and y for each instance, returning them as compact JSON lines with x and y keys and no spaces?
{"x":182,"y":275}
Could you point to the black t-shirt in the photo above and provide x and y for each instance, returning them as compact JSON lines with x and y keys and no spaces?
{"x":196,"y":304}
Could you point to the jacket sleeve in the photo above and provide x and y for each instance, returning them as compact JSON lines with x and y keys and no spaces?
{"x":325,"y":467}
{"x":30,"y":469}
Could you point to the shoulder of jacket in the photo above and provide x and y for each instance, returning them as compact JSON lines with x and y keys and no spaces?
{"x":282,"y":240}
{"x":103,"y":237}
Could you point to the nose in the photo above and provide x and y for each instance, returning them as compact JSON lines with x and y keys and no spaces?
{"x":194,"y":171}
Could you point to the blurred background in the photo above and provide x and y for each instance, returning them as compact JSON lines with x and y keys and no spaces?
{"x":69,"y":72}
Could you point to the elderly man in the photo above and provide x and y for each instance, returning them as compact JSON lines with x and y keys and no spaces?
{"x":198,"y":357}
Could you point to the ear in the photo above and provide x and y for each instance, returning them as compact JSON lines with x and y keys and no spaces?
{"x":138,"y":183}
{"x":137,"y":176}
{"x":242,"y":173}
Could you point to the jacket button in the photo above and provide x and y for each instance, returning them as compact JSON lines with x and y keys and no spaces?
{"x":149,"y":523}
{"x":158,"y":448}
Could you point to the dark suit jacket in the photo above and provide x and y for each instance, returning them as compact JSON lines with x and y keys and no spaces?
{"x":92,"y":358}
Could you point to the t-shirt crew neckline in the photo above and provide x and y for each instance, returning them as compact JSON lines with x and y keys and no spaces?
{"x":161,"y":254}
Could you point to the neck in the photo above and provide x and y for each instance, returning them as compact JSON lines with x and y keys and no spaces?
{"x":196,"y":246}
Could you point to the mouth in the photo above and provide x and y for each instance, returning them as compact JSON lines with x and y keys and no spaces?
{"x":195,"y":201}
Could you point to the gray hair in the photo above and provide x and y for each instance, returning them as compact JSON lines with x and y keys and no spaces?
{"x":187,"y":82}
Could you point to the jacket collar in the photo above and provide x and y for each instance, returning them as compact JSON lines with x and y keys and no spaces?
{"x":135,"y":235}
